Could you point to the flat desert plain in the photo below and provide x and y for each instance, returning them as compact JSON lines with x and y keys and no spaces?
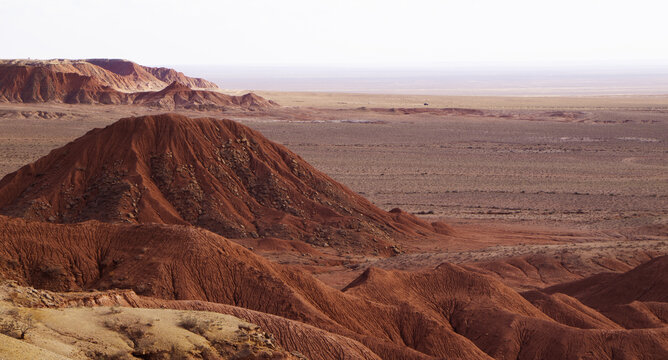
{"x":564,"y":174}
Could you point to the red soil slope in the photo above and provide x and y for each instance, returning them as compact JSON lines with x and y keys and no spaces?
{"x":644,"y":283}
{"x":38,"y":84}
{"x":447,"y":312}
{"x":569,"y":311}
{"x":502,"y":323}
{"x":533,"y":272}
{"x":635,"y":299}
{"x":186,"y":263}
{"x":216,"y":174}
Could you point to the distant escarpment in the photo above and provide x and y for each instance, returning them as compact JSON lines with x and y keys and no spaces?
{"x":120,"y":82}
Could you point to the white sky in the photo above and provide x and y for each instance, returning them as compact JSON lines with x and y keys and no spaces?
{"x":340,"y":33}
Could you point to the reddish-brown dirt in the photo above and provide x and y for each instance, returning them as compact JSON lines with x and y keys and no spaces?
{"x":216,"y":174}
{"x":447,"y":312}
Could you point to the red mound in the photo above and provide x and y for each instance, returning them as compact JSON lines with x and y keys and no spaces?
{"x":532,"y":272}
{"x":216,"y":174}
{"x":635,"y":299}
{"x":502,"y":323}
{"x":569,"y":311}
{"x":178,"y":94}
{"x":251,"y":100}
{"x":639,"y":315}
{"x":644,"y":283}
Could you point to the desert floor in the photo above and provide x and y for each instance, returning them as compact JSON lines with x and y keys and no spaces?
{"x":512,"y":171}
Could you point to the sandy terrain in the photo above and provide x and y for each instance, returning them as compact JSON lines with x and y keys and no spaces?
{"x":482,"y":168}
{"x":346,"y":100}
{"x":122,"y":333}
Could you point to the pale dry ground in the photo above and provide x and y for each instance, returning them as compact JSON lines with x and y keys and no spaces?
{"x":118,"y":332}
{"x":608,"y":171}
{"x":606,"y":167}
{"x":348,"y":101}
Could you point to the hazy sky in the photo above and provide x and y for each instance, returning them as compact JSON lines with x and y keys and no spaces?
{"x":340,"y":33}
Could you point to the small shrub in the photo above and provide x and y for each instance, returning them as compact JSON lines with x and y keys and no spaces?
{"x":178,"y":353}
{"x":195,"y":325}
{"x":15,"y":324}
{"x":207,"y":353}
{"x":134,"y":331}
{"x":115,"y":310}
{"x":118,"y":355}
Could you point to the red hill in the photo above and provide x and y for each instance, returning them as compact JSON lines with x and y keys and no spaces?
{"x":216,"y":174}
{"x":146,"y":74}
{"x":608,"y":289}
{"x":180,"y":95}
{"x":503,"y":324}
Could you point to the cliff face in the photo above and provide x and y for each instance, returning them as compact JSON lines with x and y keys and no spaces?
{"x":160,"y":76}
{"x":19,"y":83}
{"x":121,"y":75}
{"x":120,"y":82}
